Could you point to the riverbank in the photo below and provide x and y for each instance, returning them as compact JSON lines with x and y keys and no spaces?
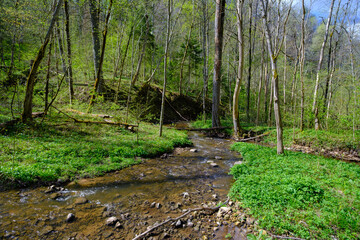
{"x":297,"y":194}
{"x":59,"y":150}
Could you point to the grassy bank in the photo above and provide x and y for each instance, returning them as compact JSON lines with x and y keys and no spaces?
{"x":298,"y":194}
{"x":59,"y":149}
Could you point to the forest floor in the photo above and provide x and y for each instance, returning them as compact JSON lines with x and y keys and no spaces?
{"x":59,"y":149}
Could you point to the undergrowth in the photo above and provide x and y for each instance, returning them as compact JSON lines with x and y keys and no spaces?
{"x":61,"y":150}
{"x":298,"y":194}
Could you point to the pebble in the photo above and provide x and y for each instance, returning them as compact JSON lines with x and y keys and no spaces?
{"x":111,"y":221}
{"x":152,"y":205}
{"x":118,"y":225}
{"x":81,"y":200}
{"x":214,"y":165}
{"x":70,"y":217}
{"x":193,"y":150}
{"x":178,"y":223}
{"x":158,"y":205}
{"x":190,"y":224}
{"x":218,"y":157}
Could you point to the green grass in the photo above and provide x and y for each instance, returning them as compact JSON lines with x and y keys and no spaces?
{"x":297,"y":194}
{"x":50,"y":151}
{"x":321,"y":139}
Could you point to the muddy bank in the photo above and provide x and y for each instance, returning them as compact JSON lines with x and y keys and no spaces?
{"x":123,"y":204}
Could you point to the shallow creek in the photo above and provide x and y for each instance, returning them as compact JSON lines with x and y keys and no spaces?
{"x":138,"y":196}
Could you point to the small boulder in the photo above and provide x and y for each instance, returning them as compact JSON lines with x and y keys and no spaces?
{"x":178,"y":223}
{"x":193,"y":150}
{"x":158,"y":205}
{"x":118,"y":225}
{"x":70,"y":217}
{"x":152,"y":205}
{"x":111,"y":221}
{"x":214,"y":165}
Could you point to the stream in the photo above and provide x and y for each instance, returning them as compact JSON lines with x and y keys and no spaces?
{"x":138,"y":197}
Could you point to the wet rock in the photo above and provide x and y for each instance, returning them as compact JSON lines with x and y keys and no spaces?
{"x":164,"y":156}
{"x":209,"y":161}
{"x":164,"y":236}
{"x":215,"y":229}
{"x":214,"y":165}
{"x":218,"y":157}
{"x":118,"y":225}
{"x":238,"y":163}
{"x":158,"y":205}
{"x":215,"y":197}
{"x":178,"y":223}
{"x":152,"y":205}
{"x":111,"y":221}
{"x":80,"y":200}
{"x":55,"y":195}
{"x":53,"y":188}
{"x":185,"y":195}
{"x":190,"y":224}
{"x":193,"y":150}
{"x":178,"y":205}
{"x":106,"y":214}
{"x":70,"y":218}
{"x":222,"y":211}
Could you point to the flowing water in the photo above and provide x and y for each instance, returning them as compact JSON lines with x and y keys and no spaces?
{"x":138,"y":196}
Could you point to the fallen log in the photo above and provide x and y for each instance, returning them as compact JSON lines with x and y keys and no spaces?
{"x":213,"y":209}
{"x":253,"y":138}
{"x":204,"y":129}
{"x":93,"y":115}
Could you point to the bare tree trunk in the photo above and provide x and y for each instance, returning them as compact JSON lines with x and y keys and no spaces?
{"x":98,"y":76}
{"x":165,"y":67}
{"x":302,"y":64}
{"x":219,"y":31}
{"x":183,"y":58}
{"x":47,"y":80}
{"x":285,"y":69}
{"x":123,"y":64}
{"x":68,"y":41}
{"x":262,"y":75}
{"x":30,"y":83}
{"x":249,"y":67}
{"x":275,"y":77}
{"x":235,"y":112}
{"x":314,"y":106}
{"x":61,"y":51}
{"x":205,"y":46}
{"x":95,"y":21}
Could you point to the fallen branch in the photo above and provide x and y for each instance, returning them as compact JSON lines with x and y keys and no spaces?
{"x":204,"y":129}
{"x":93,"y":115}
{"x":252,"y":138}
{"x":213,"y":209}
{"x":284,"y":237}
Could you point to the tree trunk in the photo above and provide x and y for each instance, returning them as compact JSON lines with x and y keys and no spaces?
{"x":68,"y":41}
{"x":205,"y":46}
{"x":95,"y":21}
{"x":165,"y":68}
{"x":98,"y":76}
{"x":262,"y":76}
{"x":314,"y":106}
{"x":30,"y":83}
{"x":219,"y":31}
{"x":183,"y":59}
{"x":302,"y":64}
{"x":249,"y":67}
{"x":235,"y":111}
{"x":47,"y":80}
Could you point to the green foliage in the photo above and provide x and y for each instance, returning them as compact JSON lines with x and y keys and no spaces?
{"x":298,"y":194}
{"x":47,"y":152}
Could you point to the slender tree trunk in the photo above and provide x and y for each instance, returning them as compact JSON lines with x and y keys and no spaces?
{"x":165,"y":68}
{"x":285,"y":69}
{"x":61,"y":51}
{"x":69,"y":56}
{"x":98,"y":76}
{"x":95,"y":22}
{"x":123,"y":64}
{"x":183,"y":58}
{"x":249,"y":67}
{"x":205,"y":38}
{"x":266,"y":92}
{"x":302,"y":64}
{"x":47,"y":79}
{"x":219,"y":31}
{"x":314,"y":106}
{"x":30,"y":83}
{"x":235,"y":112}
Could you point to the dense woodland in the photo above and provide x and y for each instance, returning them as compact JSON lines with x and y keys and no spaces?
{"x":266,"y":54}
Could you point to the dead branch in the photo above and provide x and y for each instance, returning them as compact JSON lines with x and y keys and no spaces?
{"x":93,"y":115}
{"x":212,"y":209}
{"x":252,"y":138}
{"x":284,"y":237}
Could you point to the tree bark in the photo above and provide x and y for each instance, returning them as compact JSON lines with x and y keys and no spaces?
{"x":205,"y":47}
{"x":219,"y":31}
{"x":165,"y":67}
{"x":314,"y":106}
{"x":302,"y":64}
{"x":95,"y":21}
{"x":98,"y":76}
{"x":69,"y":56}
{"x":30,"y":83}
{"x":235,"y":110}
{"x":183,"y":59}
{"x":262,"y":76}
{"x":249,"y":67}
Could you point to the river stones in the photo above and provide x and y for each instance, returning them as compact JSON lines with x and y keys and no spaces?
{"x":214,"y":164}
{"x":111,"y":221}
{"x":70,"y":217}
{"x":81,"y":200}
{"x":218,"y":157}
{"x":193,"y":150}
{"x":222,"y":211}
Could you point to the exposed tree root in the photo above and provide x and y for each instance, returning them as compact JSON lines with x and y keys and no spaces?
{"x":211,"y":209}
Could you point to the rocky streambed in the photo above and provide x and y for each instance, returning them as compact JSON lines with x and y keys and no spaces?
{"x":124,"y":204}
